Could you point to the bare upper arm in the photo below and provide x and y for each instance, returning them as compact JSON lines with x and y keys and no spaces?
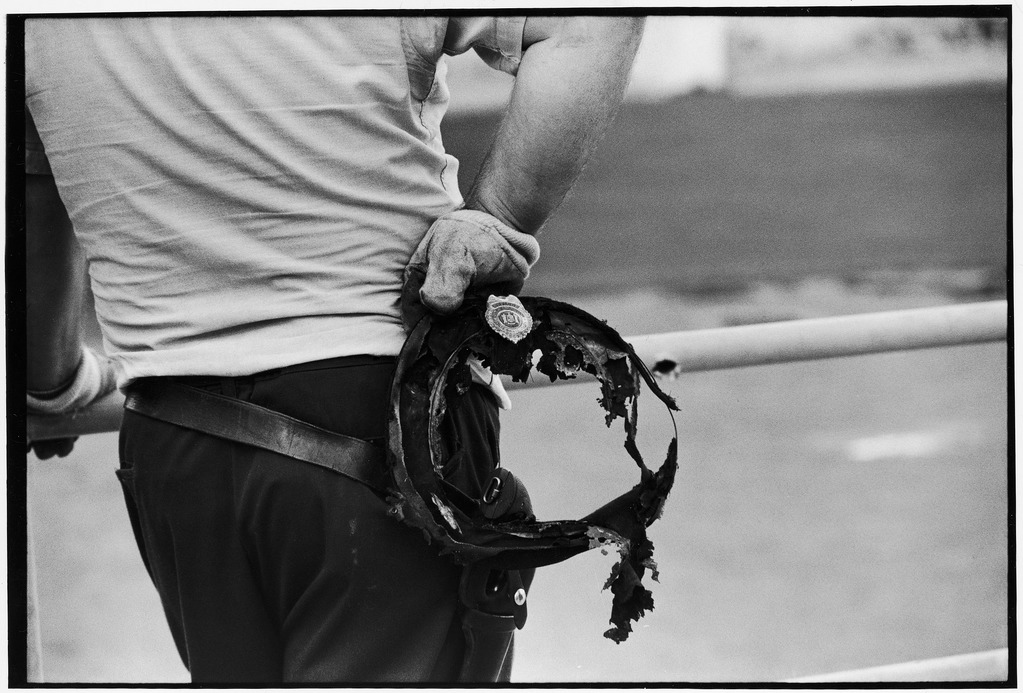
{"x":573,"y":30}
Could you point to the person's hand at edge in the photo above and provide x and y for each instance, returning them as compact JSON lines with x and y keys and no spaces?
{"x":94,"y":378}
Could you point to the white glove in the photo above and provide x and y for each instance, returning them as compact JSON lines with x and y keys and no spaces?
{"x":465,"y":249}
{"x":95,"y":377}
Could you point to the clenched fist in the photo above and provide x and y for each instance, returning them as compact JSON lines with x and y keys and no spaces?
{"x":463,"y":250}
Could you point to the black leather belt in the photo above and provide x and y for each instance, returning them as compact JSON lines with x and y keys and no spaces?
{"x":250,"y":424}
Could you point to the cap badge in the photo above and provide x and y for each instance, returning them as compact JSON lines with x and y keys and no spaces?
{"x":508,"y":317}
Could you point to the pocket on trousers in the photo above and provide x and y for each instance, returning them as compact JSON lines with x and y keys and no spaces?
{"x":126,"y":477}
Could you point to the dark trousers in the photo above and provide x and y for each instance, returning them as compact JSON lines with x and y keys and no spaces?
{"x":274,"y":570}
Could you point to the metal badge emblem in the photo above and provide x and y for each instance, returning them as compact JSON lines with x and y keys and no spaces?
{"x":508,"y":318}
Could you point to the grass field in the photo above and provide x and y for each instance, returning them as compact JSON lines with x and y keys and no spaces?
{"x":826,"y":516}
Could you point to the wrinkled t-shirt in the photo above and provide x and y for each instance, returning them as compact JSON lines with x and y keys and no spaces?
{"x":248,"y":190}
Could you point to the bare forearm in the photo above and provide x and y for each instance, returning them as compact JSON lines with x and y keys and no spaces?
{"x":55,"y":282}
{"x":568,"y":88}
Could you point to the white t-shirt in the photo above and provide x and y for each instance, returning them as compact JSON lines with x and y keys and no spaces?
{"x":248,"y":190}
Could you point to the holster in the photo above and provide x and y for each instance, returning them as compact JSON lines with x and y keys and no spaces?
{"x":493,"y":598}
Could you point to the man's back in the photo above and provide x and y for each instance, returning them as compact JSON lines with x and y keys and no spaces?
{"x":240,"y":181}
{"x":255,"y":196}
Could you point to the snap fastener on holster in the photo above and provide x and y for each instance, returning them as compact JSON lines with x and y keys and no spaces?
{"x":493,"y":490}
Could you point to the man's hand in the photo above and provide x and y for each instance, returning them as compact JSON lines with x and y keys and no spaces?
{"x":62,"y":375}
{"x":95,"y":378}
{"x":45,"y":449}
{"x":569,"y":84}
{"x":463,"y":250}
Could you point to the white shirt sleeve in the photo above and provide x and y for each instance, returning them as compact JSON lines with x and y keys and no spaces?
{"x":498,"y":40}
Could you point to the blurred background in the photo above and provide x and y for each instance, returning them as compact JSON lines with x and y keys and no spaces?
{"x":827,"y":515}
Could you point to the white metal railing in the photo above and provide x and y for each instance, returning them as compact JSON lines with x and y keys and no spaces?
{"x":732,"y":347}
{"x":713,"y":349}
{"x":991,"y":665}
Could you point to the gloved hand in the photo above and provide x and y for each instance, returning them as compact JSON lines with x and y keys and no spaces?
{"x":464,"y":249}
{"x":94,"y":378}
{"x":45,"y":449}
